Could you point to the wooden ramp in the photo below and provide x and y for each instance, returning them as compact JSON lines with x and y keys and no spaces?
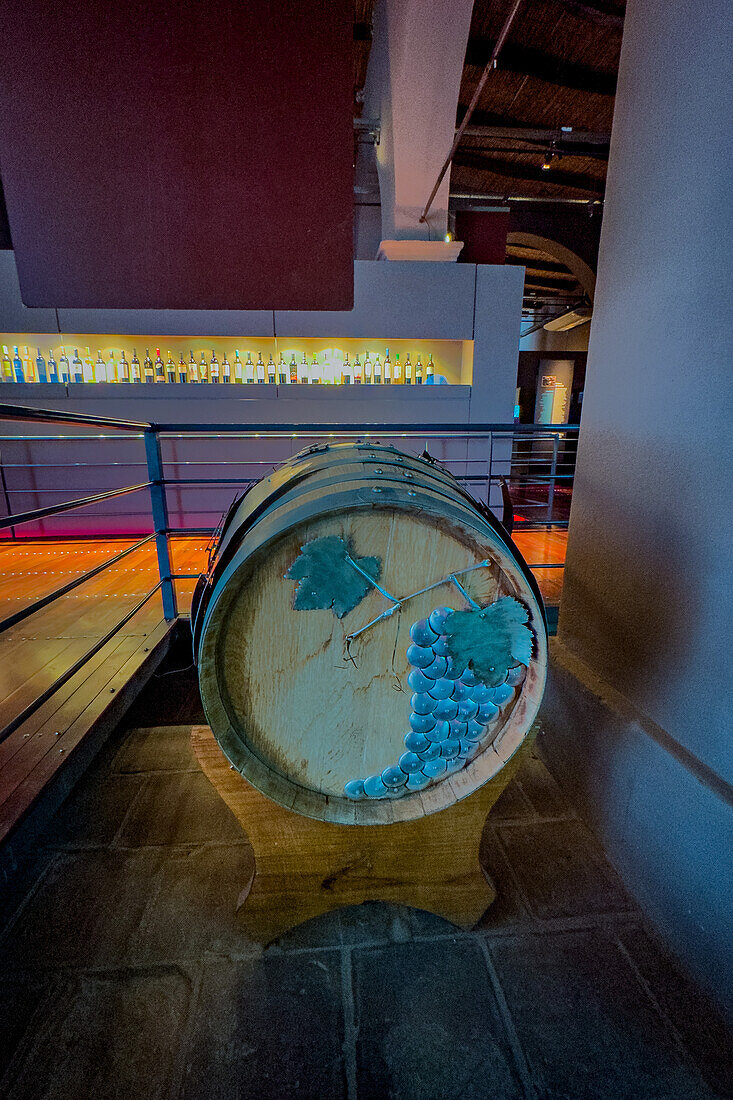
{"x":50,"y":749}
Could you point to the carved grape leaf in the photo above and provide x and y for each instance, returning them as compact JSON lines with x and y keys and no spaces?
{"x":490,"y":640}
{"x":327,"y":578}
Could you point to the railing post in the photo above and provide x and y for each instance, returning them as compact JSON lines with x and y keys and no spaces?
{"x":160,"y":522}
{"x":553,"y":475}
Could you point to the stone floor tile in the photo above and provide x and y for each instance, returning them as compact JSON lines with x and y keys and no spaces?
{"x":93,"y":814}
{"x":156,"y":748}
{"x":20,"y":999}
{"x":375,"y":922}
{"x":319,"y":932}
{"x":542,"y":790}
{"x":561,"y":870}
{"x":508,"y":909}
{"x":512,"y":805}
{"x":705,"y":1034}
{"x":112,"y":1034}
{"x":179,"y":809}
{"x":428,"y":1025}
{"x":192,"y":913}
{"x":268,"y":1028}
{"x":19,"y":878}
{"x":85,"y":912}
{"x":585,"y":1024}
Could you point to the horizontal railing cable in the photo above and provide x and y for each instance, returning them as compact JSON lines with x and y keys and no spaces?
{"x":44,"y":601}
{"x":68,"y":506}
{"x":76,"y":667}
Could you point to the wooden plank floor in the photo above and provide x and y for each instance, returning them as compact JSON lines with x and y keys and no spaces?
{"x":35,"y":652}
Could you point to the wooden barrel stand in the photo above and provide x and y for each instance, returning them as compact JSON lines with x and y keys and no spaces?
{"x":305,"y":867}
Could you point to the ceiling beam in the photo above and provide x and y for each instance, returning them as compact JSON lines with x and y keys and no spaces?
{"x":518,"y":170}
{"x":543,"y":66}
{"x":568,"y":136}
{"x":602,"y":14}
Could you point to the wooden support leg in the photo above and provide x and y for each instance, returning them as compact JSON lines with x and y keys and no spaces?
{"x":304,"y":867}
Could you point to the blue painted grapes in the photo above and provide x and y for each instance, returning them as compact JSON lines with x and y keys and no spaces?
{"x":451,"y":715}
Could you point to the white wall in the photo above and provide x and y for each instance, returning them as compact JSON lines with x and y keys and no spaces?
{"x":647,"y":601}
{"x":424,"y":300}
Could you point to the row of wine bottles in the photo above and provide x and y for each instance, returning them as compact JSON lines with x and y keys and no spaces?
{"x":329,"y":370}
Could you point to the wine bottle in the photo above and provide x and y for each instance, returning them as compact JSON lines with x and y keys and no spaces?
{"x":41,"y":367}
{"x":430,"y":371}
{"x":271,"y":373}
{"x":64,"y":369}
{"x":148,"y":367}
{"x":397,"y":378}
{"x":260,"y":370}
{"x":100,"y":370}
{"x":367,"y":369}
{"x":18,"y":366}
{"x":77,"y":367}
{"x":408,"y":370}
{"x":418,"y":371}
{"x":87,"y":366}
{"x":249,"y":370}
{"x":293,"y":370}
{"x":315,"y":373}
{"x":182,"y":369}
{"x":226,"y":369}
{"x":303,"y":369}
{"x":159,"y":370}
{"x":238,"y":368}
{"x":357,"y":371}
{"x":377,"y":371}
{"x":7,"y":368}
{"x":53,"y":370}
{"x":193,"y":368}
{"x":123,"y":369}
{"x":282,"y":371}
{"x":213,"y":367}
{"x":111,"y":368}
{"x":387,"y":368}
{"x":203,"y":368}
{"x":170,"y":368}
{"x":347,"y":372}
{"x":135,"y":374}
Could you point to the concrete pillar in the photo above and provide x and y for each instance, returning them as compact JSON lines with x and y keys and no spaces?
{"x":412,"y":86}
{"x":639,"y":709}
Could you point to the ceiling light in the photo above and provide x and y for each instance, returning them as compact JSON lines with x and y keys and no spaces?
{"x":574,"y":317}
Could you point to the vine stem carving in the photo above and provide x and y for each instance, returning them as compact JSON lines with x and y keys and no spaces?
{"x":397,"y":602}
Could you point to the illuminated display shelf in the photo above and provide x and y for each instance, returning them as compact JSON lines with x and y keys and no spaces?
{"x":452,"y":360}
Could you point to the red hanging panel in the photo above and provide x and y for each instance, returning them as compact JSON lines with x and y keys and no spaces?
{"x":179,"y":155}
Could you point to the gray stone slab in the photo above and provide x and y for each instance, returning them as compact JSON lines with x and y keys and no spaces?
{"x":375,"y":922}
{"x":542,"y":790}
{"x":85,"y":912}
{"x":705,"y":1034}
{"x":179,"y":809}
{"x":109,"y":1035}
{"x":160,"y":748}
{"x":270,"y":1028}
{"x":428,"y":1025}
{"x":93,"y":814}
{"x":508,"y":910}
{"x":561,"y":869}
{"x":585,"y":1024}
{"x":512,"y":805}
{"x":20,"y":1000}
{"x":192,"y":913}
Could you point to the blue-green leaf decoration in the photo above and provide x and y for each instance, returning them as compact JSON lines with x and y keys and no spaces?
{"x":491,"y":639}
{"x":327,"y":578}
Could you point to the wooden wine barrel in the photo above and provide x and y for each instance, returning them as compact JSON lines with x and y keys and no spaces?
{"x":371,"y":645}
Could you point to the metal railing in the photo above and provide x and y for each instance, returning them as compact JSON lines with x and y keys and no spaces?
{"x":536,"y":463}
